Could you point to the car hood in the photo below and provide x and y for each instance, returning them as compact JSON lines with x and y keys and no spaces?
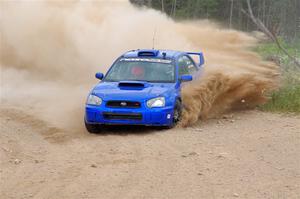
{"x":133,"y":90}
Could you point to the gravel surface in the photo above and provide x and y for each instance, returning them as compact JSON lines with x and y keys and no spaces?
{"x":248,"y":154}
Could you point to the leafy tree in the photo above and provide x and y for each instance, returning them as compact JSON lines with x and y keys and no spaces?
{"x":282,"y":17}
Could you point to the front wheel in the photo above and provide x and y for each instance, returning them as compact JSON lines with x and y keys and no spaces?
{"x":176,"y":114}
{"x":92,"y":128}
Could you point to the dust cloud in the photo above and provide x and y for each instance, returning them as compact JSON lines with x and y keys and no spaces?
{"x":50,"y":51}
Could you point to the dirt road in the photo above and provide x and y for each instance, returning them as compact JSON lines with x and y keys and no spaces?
{"x":250,"y":155}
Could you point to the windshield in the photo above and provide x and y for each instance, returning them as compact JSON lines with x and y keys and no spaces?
{"x":142,"y":69}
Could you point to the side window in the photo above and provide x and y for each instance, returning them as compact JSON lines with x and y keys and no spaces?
{"x":186,"y":66}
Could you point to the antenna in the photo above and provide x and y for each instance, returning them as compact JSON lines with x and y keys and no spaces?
{"x":153,"y":39}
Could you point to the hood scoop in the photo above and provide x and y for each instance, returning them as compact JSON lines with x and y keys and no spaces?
{"x":132,"y":84}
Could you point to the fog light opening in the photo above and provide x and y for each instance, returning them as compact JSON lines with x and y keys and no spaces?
{"x":169,"y":116}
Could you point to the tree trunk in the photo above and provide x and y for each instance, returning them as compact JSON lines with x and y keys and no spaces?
{"x":230,"y":17}
{"x":149,"y":2}
{"x":174,"y":8}
{"x":162,"y":6}
{"x":267,"y":32}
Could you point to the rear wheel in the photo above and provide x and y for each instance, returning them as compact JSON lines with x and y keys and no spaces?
{"x":92,"y":128}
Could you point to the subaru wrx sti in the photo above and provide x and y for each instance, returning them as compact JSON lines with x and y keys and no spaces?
{"x":142,"y":87}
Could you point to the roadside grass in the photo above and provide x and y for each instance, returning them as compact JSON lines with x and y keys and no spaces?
{"x":287,"y":97}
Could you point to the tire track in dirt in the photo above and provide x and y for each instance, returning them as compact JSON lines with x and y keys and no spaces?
{"x":50,"y":133}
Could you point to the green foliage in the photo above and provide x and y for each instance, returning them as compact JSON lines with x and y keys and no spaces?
{"x":271,"y":48}
{"x":196,"y":9}
{"x":281,"y":17}
{"x":271,"y":51}
{"x":287,"y":98}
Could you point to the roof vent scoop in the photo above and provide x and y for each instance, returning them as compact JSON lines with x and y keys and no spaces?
{"x":148,"y":53}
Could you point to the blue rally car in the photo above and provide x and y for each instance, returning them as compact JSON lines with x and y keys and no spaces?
{"x":142,"y":87}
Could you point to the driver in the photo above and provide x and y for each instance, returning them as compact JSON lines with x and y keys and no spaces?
{"x":138,"y":72}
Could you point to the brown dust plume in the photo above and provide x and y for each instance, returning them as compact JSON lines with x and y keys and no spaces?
{"x":50,"y":51}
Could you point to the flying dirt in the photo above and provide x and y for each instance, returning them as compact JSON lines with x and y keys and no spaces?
{"x":50,"y":52}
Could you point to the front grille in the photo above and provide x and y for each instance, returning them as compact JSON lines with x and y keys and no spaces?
{"x":122,"y":116}
{"x":123,"y":104}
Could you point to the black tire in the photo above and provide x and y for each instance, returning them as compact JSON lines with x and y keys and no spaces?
{"x":177,"y":114}
{"x":92,"y":128}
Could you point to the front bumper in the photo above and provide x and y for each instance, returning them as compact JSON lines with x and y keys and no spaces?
{"x":129,"y":116}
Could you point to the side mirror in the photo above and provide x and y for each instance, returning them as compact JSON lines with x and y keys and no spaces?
{"x":186,"y":78}
{"x":99,"y":76}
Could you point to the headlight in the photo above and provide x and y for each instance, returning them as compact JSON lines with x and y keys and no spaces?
{"x":94,"y":100}
{"x":156,"y":102}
